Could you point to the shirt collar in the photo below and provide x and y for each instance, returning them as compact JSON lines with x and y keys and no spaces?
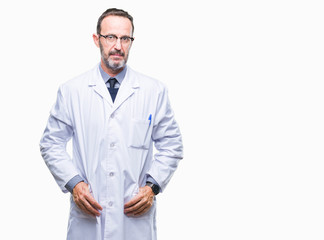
{"x":120,"y":76}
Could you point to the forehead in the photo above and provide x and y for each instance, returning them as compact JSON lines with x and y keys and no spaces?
{"x":116,"y":25}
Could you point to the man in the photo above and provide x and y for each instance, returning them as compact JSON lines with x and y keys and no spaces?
{"x":114,"y":115}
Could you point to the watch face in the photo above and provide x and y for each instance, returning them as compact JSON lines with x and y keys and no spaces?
{"x":155,"y":189}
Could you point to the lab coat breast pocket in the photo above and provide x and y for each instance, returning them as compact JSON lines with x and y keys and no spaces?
{"x":140,"y":133}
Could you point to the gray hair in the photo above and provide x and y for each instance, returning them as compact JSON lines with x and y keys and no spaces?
{"x":114,"y":12}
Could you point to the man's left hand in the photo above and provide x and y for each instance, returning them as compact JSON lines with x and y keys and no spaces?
{"x":141,"y":203}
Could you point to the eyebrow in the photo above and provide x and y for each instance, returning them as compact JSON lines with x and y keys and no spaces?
{"x":111,"y":34}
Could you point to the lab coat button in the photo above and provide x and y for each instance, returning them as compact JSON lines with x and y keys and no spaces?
{"x":112,"y":144}
{"x":111,"y":174}
{"x":110,"y":204}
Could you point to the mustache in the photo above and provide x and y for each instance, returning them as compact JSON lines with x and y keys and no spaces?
{"x":116,"y":52}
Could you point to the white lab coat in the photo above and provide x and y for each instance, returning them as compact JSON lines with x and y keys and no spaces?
{"x":112,"y":149}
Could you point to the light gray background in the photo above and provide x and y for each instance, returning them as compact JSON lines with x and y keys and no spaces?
{"x":245,"y":80}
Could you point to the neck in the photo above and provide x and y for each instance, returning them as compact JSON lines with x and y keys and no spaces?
{"x":110,"y":71}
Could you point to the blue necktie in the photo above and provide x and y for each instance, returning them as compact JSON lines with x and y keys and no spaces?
{"x":112,"y":90}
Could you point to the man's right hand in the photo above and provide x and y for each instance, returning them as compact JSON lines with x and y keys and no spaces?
{"x":84,"y":200}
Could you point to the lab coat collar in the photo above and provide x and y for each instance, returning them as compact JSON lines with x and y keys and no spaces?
{"x":120,"y":76}
{"x":130,"y":84}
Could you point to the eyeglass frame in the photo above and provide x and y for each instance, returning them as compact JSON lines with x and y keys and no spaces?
{"x":116,"y":38}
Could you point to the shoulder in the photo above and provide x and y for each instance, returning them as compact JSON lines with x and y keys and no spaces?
{"x":79,"y":82}
{"x":81,"y":79}
{"x":147,"y":82}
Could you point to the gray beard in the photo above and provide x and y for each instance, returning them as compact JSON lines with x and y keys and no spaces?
{"x":113,"y":66}
{"x":109,"y":63}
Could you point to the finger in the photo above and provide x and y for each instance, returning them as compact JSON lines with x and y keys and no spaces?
{"x":90,"y":208}
{"x":93,"y":202}
{"x":84,"y":209}
{"x":140,"y":210}
{"x":143,"y":209}
{"x":133,"y":201}
{"x":133,"y":208}
{"x":85,"y":201}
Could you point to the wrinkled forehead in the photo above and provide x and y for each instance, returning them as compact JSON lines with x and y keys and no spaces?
{"x":120,"y":26}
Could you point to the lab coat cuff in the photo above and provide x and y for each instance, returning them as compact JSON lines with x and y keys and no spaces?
{"x":74,"y":181}
{"x":150,"y":179}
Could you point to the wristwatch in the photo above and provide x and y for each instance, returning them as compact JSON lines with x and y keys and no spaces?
{"x":155,"y":188}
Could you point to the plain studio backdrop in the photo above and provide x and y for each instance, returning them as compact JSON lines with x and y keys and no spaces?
{"x":245,"y":80}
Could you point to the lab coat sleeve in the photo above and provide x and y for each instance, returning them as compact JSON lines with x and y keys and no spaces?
{"x":57,"y":133}
{"x":168,"y":142}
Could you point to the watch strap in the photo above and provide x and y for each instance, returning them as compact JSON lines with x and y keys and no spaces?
{"x":155,"y":188}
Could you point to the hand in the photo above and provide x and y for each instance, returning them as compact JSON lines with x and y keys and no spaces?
{"x":84,"y":200}
{"x":141,"y":203}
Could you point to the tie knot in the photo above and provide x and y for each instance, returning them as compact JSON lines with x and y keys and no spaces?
{"x":112,"y":82}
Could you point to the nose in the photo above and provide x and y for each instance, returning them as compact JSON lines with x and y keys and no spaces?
{"x":118,"y":44}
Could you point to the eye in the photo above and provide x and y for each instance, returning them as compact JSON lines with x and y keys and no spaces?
{"x":125,"y":39}
{"x":111,"y":37}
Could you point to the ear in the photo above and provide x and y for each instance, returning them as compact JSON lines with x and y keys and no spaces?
{"x":96,"y":39}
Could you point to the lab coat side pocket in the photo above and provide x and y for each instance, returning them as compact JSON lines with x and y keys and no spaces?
{"x":140,"y":134}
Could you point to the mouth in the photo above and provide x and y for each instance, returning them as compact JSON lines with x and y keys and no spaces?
{"x":116,"y":54}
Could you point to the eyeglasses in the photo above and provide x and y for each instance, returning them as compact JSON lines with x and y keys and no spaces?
{"x":112,"y":39}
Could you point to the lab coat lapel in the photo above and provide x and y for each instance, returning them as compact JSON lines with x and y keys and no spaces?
{"x":99,"y":86}
{"x":127,"y":88}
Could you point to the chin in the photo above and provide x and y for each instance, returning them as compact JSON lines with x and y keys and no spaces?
{"x":114,"y":65}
